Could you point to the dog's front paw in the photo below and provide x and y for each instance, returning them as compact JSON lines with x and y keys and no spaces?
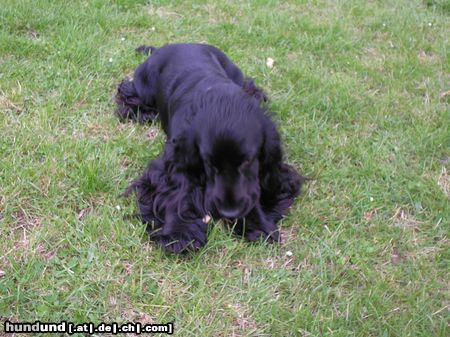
{"x":252,"y":231}
{"x":268,"y":236}
{"x":185,"y":238}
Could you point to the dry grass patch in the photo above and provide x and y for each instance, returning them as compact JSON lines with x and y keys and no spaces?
{"x":8,"y":104}
{"x":243,"y":323}
{"x":165,"y":12}
{"x":444,"y":181}
{"x":402,"y":218}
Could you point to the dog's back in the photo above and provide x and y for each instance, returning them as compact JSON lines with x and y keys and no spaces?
{"x":173,"y":76}
{"x":188,"y":70}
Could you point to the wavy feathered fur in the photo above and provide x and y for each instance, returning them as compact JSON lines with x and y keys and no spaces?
{"x":223,"y":153}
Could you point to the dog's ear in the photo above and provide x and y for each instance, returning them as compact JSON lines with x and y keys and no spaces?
{"x":271,"y":154}
{"x":280,"y":183}
{"x":185,"y":154}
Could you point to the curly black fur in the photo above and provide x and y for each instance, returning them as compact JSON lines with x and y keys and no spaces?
{"x":223,"y":153}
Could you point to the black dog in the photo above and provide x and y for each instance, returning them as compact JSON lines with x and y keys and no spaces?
{"x":222,"y":156}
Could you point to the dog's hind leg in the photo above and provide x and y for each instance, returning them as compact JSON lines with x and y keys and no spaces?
{"x":135,"y":97}
{"x":131,"y":106}
{"x":250,"y":88}
{"x":235,"y":74}
{"x":247,"y":83}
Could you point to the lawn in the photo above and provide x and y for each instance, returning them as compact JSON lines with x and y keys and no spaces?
{"x":361,"y":91}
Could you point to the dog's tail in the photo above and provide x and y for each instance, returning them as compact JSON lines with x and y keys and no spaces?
{"x":131,"y":104}
{"x":146,"y":50}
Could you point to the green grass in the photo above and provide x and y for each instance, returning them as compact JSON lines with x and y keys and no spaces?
{"x":361,"y":91}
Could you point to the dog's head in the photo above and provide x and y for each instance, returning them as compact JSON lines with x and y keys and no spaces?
{"x":232,"y":168}
{"x":232,"y":148}
{"x":228,"y":147}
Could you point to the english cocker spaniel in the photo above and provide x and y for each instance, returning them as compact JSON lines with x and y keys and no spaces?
{"x":222,"y":156}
